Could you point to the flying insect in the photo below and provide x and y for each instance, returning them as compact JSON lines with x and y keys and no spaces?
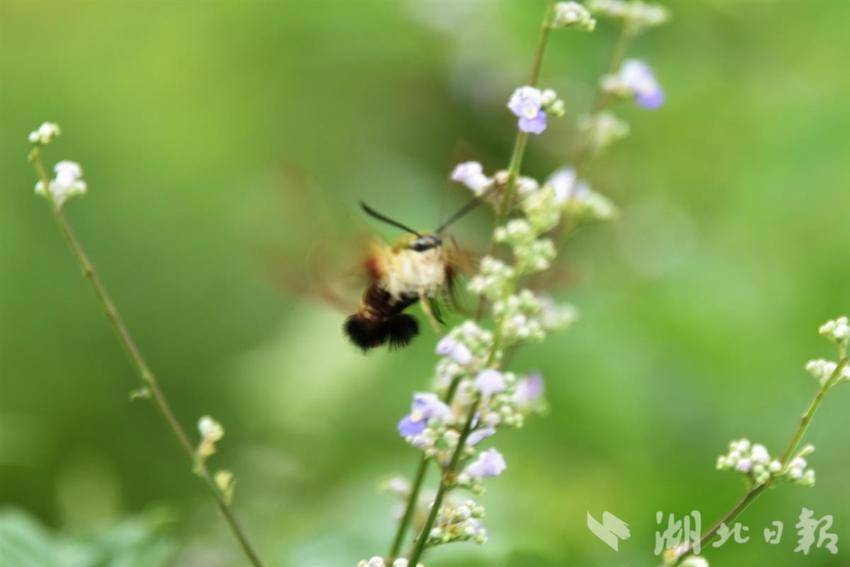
{"x":416,"y":268}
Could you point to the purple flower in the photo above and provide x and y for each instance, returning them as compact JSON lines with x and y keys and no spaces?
{"x":425,"y":406}
{"x":529,"y":390}
{"x":637,"y":77}
{"x":445,"y":346}
{"x":527,"y":104}
{"x":490,"y":382}
{"x":455,"y":350}
{"x":408,"y":428}
{"x":534,"y":125}
{"x":479,"y":435}
{"x":489,"y":463}
{"x":650,"y":99}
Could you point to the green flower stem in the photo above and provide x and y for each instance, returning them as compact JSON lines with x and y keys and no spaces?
{"x":446,"y":481}
{"x":756,"y":491}
{"x":515,"y":163}
{"x":416,"y":487}
{"x":450,"y":472}
{"x":601,"y":99}
{"x":410,"y":507}
{"x":521,"y":140}
{"x":514,"y":166}
{"x":806,"y":418}
{"x":147,"y":377}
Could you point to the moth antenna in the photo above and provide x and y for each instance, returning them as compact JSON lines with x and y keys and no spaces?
{"x":477,"y":200}
{"x":383,"y":218}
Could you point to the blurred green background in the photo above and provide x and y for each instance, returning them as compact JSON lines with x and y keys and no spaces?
{"x":221,"y":138}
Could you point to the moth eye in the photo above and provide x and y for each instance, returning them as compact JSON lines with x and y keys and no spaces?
{"x":425,"y":243}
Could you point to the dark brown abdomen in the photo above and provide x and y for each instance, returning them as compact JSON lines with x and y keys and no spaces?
{"x":381,"y":320}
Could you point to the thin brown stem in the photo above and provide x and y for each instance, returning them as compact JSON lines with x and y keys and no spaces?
{"x":146,"y":376}
{"x":753,"y":493}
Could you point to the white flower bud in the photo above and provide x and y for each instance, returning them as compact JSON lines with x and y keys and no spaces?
{"x":635,"y":14}
{"x":837,"y":331}
{"x":67,"y":183}
{"x":759,"y":454}
{"x":573,"y":15}
{"x":45,"y":134}
{"x":211,"y":432}
{"x":744,"y":465}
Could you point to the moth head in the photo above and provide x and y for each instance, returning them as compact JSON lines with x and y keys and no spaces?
{"x":425,"y":242}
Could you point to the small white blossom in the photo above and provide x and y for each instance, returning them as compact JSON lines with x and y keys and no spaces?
{"x":798,"y":470}
{"x":563,"y":183}
{"x":67,"y":183}
{"x":521,"y":327}
{"x":45,"y":134}
{"x":602,"y":129}
{"x":694,"y":561}
{"x":471,"y":174}
{"x":552,"y":104}
{"x":759,"y":454}
{"x":520,"y":315}
{"x":534,"y":256}
{"x":542,"y":209}
{"x":594,"y":205}
{"x":573,"y":15}
{"x":554,"y":316}
{"x":516,"y":232}
{"x":458,"y":522}
{"x":490,"y":382}
{"x":526,"y":185}
{"x":751,"y":460}
{"x":754,"y":461}
{"x":211,"y":433}
{"x":577,"y":198}
{"x":637,"y":15}
{"x":837,"y":331}
{"x":397,"y":486}
{"x":823,"y":371}
{"x":492,"y":278}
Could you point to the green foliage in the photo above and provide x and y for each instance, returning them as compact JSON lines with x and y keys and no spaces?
{"x":139,"y":541}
